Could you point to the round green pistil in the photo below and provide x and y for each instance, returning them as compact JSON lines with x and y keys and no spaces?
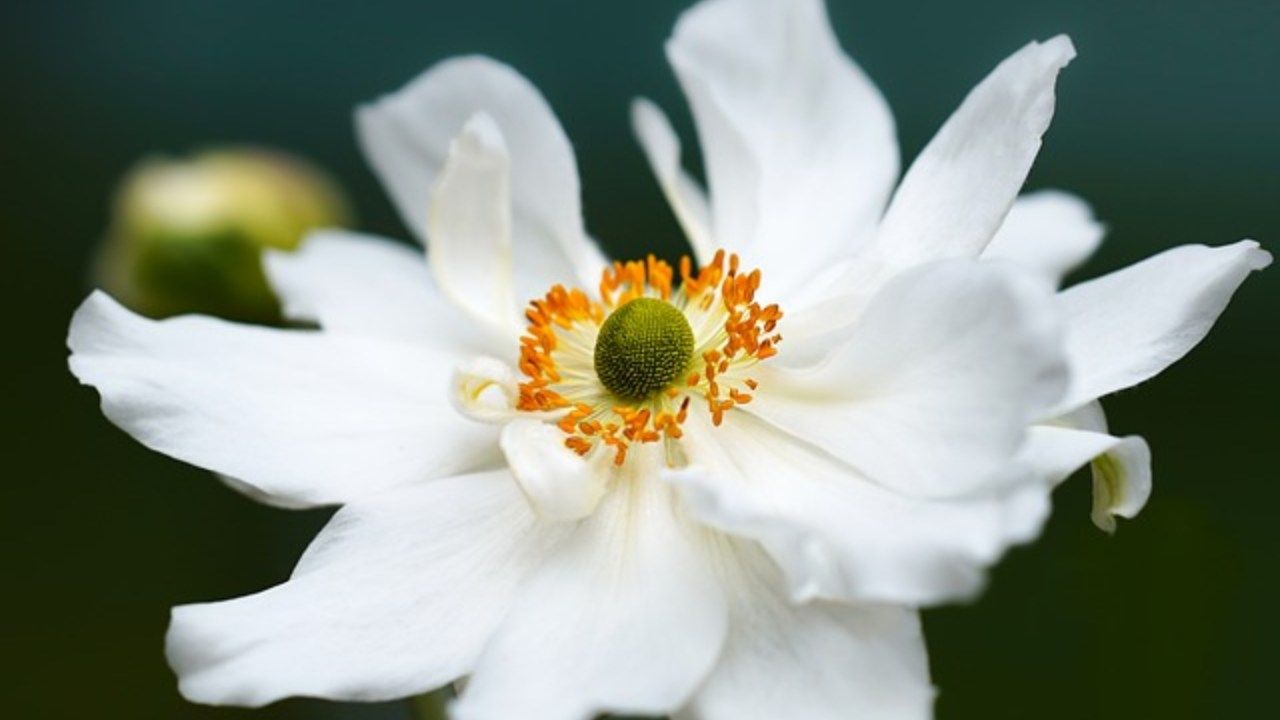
{"x":642,"y":348}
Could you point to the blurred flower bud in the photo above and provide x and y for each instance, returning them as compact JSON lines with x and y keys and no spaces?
{"x":187,"y":234}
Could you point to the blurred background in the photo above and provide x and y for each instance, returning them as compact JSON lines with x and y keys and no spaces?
{"x":1167,"y":124}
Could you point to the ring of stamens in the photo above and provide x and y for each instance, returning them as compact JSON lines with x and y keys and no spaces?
{"x":731,"y":332}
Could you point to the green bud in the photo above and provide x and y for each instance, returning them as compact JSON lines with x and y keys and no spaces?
{"x":187,"y":234}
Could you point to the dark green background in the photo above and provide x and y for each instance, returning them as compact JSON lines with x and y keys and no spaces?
{"x":1167,"y":122}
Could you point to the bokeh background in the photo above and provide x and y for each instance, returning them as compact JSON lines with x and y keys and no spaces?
{"x":1167,"y":123}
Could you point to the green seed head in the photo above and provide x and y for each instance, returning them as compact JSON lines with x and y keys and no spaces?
{"x":642,"y":348}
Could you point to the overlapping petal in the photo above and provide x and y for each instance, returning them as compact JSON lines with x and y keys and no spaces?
{"x":838,"y":535}
{"x":305,"y":418}
{"x":818,"y":661}
{"x":956,"y":194}
{"x":1050,"y":232}
{"x":952,"y":200}
{"x":469,"y":227}
{"x":799,"y":146}
{"x":396,"y":596}
{"x":361,"y":285}
{"x":406,"y":136}
{"x":931,"y":392}
{"x":559,"y":484}
{"x":626,"y":616}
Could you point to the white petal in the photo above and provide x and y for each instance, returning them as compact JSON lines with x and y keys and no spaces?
{"x":953,"y":198}
{"x":1050,"y":231}
{"x":406,"y":137}
{"x":626,"y":617}
{"x":469,"y":226}
{"x":799,"y":146}
{"x":956,"y":194}
{"x":1127,"y":326}
{"x":687,"y":199}
{"x":1052,"y":453}
{"x":486,"y":389}
{"x":1121,"y":470}
{"x":559,"y":484}
{"x":818,"y":661}
{"x":396,"y":596}
{"x":934,"y":387}
{"x":1121,"y":482}
{"x":354,"y":284}
{"x":306,"y":417}
{"x":818,"y":319}
{"x":836,"y":534}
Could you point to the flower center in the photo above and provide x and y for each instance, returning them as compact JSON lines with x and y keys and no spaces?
{"x":625,"y":366}
{"x":642,"y":348}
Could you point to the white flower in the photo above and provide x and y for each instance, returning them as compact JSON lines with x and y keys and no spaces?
{"x":637,"y":497}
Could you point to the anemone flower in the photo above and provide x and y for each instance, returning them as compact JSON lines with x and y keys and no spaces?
{"x":632,"y":494}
